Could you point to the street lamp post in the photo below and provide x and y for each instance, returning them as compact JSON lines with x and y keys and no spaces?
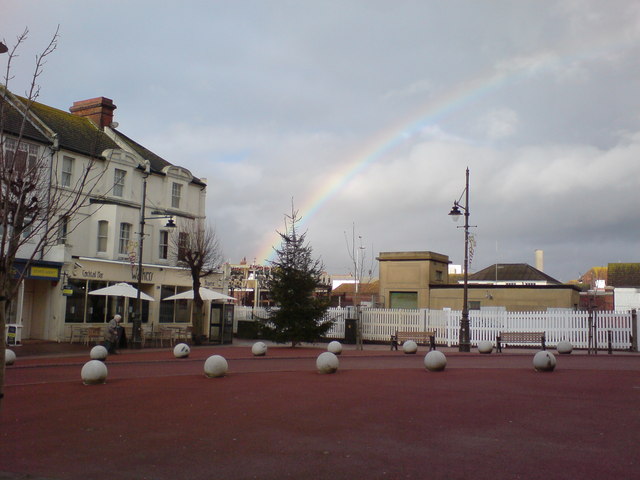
{"x":464,"y":339}
{"x":136,"y":332}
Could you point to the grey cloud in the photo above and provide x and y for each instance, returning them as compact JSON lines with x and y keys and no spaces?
{"x":273,"y":100}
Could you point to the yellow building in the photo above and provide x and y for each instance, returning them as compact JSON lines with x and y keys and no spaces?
{"x":406,"y":277}
{"x":421,"y":280}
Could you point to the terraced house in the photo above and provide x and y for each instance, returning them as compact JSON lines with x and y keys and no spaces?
{"x":121,"y":186}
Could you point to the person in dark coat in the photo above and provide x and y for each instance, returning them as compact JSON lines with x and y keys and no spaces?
{"x":113,"y":334}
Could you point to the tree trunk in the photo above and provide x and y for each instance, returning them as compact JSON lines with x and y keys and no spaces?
{"x":196,"y":317}
{"x":3,"y":348}
{"x":198,"y":320}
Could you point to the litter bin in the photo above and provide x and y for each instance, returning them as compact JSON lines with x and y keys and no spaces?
{"x":13,"y":334}
{"x":350,"y":331}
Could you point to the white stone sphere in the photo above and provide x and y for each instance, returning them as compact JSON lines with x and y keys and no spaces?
{"x":435,"y":361}
{"x":335,"y":347}
{"x":544,"y":361}
{"x":327,"y":362}
{"x":409,"y":346}
{"x":216,"y":366}
{"x":259,"y":349}
{"x":9,"y":357}
{"x":94,"y":372}
{"x":564,"y":347}
{"x":98,"y":353}
{"x":485,"y":346}
{"x":181,"y":350}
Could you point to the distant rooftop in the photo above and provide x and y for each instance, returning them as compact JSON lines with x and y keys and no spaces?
{"x":512,"y":272}
{"x":624,"y":275}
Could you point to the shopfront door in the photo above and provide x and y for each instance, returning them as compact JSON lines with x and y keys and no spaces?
{"x":221,"y":323}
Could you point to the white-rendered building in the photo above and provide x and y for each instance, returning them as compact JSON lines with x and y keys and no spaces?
{"x":99,"y":245}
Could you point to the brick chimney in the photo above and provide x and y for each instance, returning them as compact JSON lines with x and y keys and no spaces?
{"x":98,"y":110}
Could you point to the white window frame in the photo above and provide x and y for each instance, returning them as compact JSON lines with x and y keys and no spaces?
{"x":103,"y":236}
{"x":63,"y":230}
{"x":163,"y":250}
{"x":124,"y":238}
{"x":176,"y":193}
{"x":119,"y":177}
{"x":67,"y":171}
{"x":30,"y":150}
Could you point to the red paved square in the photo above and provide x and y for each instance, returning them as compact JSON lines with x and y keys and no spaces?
{"x":382,"y":415}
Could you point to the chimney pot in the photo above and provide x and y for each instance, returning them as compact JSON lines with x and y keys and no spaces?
{"x":99,"y":110}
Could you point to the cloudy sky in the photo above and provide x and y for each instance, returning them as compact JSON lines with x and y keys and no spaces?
{"x":367,"y":113}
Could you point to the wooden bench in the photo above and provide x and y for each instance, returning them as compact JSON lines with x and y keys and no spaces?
{"x":519,"y":337}
{"x":421,"y":338}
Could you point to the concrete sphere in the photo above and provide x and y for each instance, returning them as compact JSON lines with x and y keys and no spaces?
{"x":9,"y":357}
{"x":564,"y":347}
{"x":409,"y":346}
{"x":216,"y":366}
{"x":544,"y":361}
{"x":435,"y":361}
{"x":259,"y":349}
{"x":335,"y":347}
{"x":485,"y":346}
{"x":327,"y":362}
{"x":98,"y":353}
{"x":181,"y":350}
{"x":94,"y":372}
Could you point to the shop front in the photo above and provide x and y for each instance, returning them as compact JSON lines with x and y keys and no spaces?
{"x":88,"y":274}
{"x":33,"y":306}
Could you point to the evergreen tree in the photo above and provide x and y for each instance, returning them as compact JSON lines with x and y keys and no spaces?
{"x":293,"y":284}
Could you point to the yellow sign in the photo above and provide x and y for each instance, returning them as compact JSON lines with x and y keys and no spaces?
{"x":46,"y":272}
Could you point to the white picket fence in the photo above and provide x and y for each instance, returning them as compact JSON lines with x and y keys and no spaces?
{"x":569,"y":325}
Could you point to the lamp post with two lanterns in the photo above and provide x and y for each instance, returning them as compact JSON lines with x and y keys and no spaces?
{"x":464,"y":338}
{"x":136,"y":333}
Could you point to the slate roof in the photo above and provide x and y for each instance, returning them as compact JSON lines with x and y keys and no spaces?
{"x":76,"y":134}
{"x":623,"y":275}
{"x":12,"y":123}
{"x":512,"y":272}
{"x":157,"y":162}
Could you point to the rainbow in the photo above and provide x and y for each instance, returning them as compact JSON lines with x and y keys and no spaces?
{"x":426,"y":114}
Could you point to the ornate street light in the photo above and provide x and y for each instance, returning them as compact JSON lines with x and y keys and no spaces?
{"x":136,"y":333}
{"x":458,"y":210}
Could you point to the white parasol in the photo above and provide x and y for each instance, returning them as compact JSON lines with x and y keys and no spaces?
{"x":121,"y":290}
{"x":205,"y":294}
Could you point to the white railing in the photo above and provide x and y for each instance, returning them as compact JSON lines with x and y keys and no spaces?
{"x":569,"y":325}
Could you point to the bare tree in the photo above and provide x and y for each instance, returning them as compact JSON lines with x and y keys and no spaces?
{"x":358,"y":257}
{"x":34,"y":210}
{"x":196,"y":248}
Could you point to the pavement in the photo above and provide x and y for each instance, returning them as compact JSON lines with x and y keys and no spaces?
{"x":45,"y":348}
{"x":382,"y":415}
